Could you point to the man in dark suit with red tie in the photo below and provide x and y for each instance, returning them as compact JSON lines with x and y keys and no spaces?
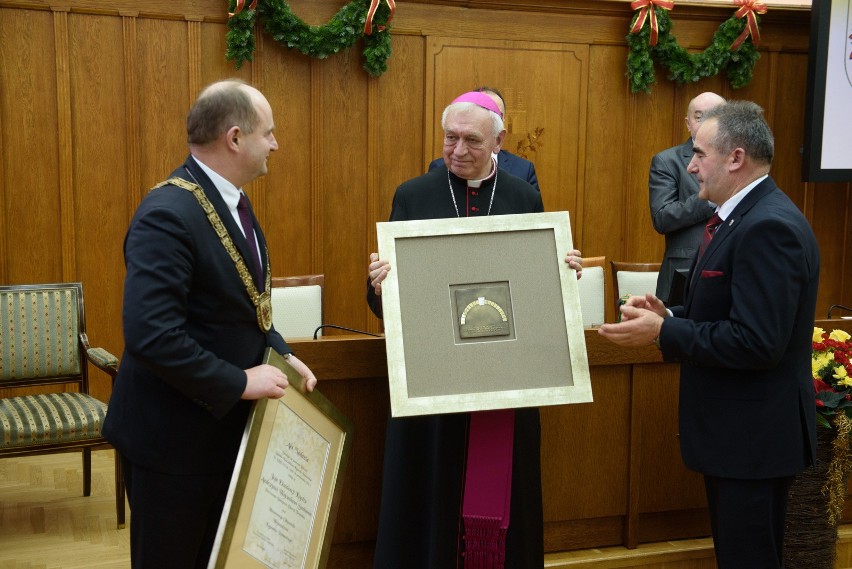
{"x":197,"y":321}
{"x":743,"y":337}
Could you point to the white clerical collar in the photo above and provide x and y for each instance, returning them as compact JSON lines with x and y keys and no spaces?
{"x":478,"y":183}
{"x":229,"y":192}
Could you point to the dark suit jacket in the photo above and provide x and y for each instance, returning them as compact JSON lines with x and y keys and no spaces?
{"x":743,"y":338}
{"x":511,"y":163}
{"x":190,"y":330}
{"x":676,"y":211}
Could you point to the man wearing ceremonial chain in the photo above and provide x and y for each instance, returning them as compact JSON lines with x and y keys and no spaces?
{"x":197,"y":320}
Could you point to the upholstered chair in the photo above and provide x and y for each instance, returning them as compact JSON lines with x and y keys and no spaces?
{"x":44,"y":380}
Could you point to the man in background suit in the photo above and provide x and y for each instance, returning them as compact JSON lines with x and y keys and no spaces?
{"x":743,"y":337}
{"x":195,"y":331}
{"x":511,"y":163}
{"x":676,"y":210}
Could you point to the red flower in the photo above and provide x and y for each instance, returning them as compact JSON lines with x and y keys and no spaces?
{"x":820,"y":385}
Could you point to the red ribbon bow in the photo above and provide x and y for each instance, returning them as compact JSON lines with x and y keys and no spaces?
{"x":371,"y":13}
{"x":239,"y":8}
{"x":647,"y":7}
{"x":747,"y":8}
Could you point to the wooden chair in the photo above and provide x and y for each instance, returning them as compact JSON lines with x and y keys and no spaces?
{"x":43,"y":345}
{"x":297,"y":305}
{"x":593,"y":289}
{"x":632,"y":278}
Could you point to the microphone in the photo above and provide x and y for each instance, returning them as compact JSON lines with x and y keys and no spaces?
{"x":335,"y":326}
{"x":833,"y":306}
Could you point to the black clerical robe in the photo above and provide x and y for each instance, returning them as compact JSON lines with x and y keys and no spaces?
{"x":420,"y":521}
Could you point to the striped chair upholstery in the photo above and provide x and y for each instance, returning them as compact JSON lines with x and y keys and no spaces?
{"x":44,"y":354}
{"x":49,"y":418}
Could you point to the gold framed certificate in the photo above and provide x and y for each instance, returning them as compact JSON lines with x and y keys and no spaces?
{"x":482,"y":313}
{"x":284,"y":493}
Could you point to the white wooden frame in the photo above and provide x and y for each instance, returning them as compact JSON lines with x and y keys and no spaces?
{"x":430,"y":370}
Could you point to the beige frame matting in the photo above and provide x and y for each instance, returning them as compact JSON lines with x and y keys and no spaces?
{"x":537,"y":358}
{"x":285,"y":491}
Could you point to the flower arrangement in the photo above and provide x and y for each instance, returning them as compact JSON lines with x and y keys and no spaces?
{"x":832,"y":372}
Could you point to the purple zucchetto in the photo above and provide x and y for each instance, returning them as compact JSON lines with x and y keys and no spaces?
{"x":480,"y":99}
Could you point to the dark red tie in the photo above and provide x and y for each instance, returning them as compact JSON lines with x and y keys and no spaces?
{"x":709,"y":230}
{"x":248,"y":228}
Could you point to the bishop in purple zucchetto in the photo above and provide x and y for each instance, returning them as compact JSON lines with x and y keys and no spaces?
{"x":480,"y":99}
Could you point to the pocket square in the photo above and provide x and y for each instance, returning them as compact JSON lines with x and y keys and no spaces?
{"x":711,"y":274}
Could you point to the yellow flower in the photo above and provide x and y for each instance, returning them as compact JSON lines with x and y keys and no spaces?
{"x":818,"y":332}
{"x":840,"y":373}
{"x":839,"y":335}
{"x":820,"y":360}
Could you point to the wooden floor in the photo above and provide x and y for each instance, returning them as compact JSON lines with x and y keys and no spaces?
{"x":46,"y":523}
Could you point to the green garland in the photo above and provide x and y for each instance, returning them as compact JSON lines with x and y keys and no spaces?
{"x":683,"y":66}
{"x":342,"y":31}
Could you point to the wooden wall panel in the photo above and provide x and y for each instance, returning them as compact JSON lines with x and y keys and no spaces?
{"x":215,"y":66}
{"x":359,"y":507}
{"x":343,"y":178}
{"x":761,"y":90}
{"x":787,"y":124}
{"x":662,"y":475}
{"x":65,"y":173}
{"x":164,"y":97}
{"x":833,"y":229}
{"x":603,"y":447}
{"x":396,"y":119}
{"x":646,"y":135}
{"x":286,"y":213}
{"x":71,"y":72}
{"x":98,"y":134}
{"x":132,"y":166}
{"x":604,"y":225}
{"x":31,"y":199}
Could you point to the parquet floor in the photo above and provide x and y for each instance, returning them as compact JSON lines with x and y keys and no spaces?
{"x":46,"y":523}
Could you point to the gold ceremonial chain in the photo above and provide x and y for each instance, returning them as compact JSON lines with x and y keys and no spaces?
{"x":262,"y":301}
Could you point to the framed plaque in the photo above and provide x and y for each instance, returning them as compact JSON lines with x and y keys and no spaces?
{"x":482,"y":313}
{"x":285,"y":490}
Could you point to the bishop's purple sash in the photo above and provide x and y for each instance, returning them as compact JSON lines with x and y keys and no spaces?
{"x":488,"y":488}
